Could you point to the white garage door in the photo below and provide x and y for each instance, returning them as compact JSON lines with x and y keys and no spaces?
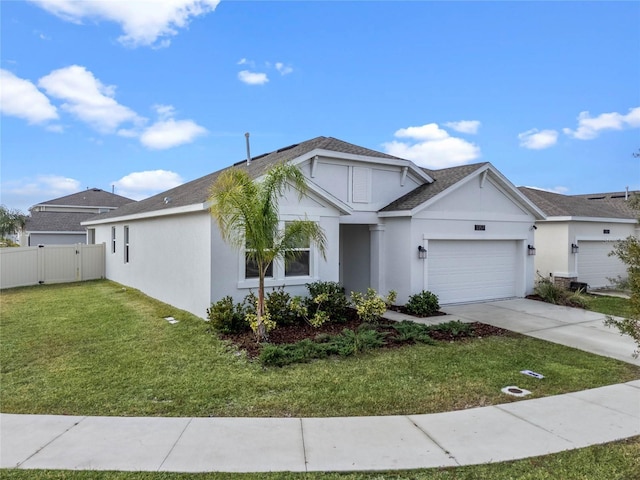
{"x":473,"y":270}
{"x":595,"y":266}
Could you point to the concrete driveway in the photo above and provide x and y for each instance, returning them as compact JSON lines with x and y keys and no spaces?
{"x":568,"y":326}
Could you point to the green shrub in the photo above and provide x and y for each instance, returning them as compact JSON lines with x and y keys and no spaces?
{"x":423,"y":304}
{"x":328,"y":297}
{"x":371,"y":306}
{"x":278,"y":303}
{"x":413,"y":332}
{"x":549,"y":291}
{"x":300,"y":352}
{"x":347,"y":343}
{"x":455,"y":328}
{"x":351,"y":342}
{"x":577,"y":299}
{"x":227,"y":317}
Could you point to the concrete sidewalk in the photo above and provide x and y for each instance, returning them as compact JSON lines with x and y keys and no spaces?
{"x":573,"y":327}
{"x":478,"y":435}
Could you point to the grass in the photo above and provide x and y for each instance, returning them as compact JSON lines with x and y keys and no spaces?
{"x":614,"y":461}
{"x":97,"y":348}
{"x":619,"y":307}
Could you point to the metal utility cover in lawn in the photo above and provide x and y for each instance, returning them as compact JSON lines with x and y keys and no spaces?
{"x":515,"y":391}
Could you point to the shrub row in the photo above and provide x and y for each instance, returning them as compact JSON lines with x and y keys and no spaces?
{"x":326,"y":302}
{"x":352,"y":342}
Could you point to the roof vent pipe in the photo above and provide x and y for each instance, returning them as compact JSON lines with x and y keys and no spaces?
{"x":246,"y":135}
{"x":626,"y":193}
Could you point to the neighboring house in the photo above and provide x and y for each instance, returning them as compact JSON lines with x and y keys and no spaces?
{"x":574,"y":241}
{"x":462,"y":233}
{"x":58,"y":221}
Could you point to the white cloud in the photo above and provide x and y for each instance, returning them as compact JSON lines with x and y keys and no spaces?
{"x":144,"y":22}
{"x":139,"y":185}
{"x":21,"y":98}
{"x":26,"y":192}
{"x":252,"y":78}
{"x":87,"y":98}
{"x":244,"y":61}
{"x":164,"y":111}
{"x":430,"y":131}
{"x":283,"y":69}
{"x":538,"y":140}
{"x":590,"y":127}
{"x":432,"y":147}
{"x":170,"y":133}
{"x":464,"y":126}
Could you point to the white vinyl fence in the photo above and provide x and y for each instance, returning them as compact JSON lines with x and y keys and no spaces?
{"x":21,"y":266}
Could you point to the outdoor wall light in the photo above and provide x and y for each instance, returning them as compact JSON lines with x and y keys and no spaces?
{"x":531,"y":250}
{"x":574,"y":248}
{"x":422,"y":252}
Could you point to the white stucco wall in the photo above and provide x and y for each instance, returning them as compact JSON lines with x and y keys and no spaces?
{"x":385,"y":183}
{"x":454,"y":217}
{"x":554,"y":239}
{"x":169,"y":259}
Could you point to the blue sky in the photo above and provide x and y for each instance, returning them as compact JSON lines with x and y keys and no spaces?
{"x":143,"y":95}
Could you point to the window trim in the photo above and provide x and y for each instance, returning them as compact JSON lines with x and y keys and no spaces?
{"x":279,"y":278}
{"x":127,"y":258}
{"x":113,"y":239}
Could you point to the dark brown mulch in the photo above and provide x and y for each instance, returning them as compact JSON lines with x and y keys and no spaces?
{"x":294,"y":333}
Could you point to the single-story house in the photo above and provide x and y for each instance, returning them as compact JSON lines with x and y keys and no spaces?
{"x":574,"y":241}
{"x":58,"y":221}
{"x":464,"y":233}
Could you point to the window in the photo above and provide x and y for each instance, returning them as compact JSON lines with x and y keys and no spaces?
{"x":113,"y":239}
{"x":126,"y":244}
{"x":251,"y":269}
{"x":300,"y":266}
{"x":251,"y":266}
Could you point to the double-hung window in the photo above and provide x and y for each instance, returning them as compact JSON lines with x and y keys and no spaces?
{"x":300,"y":266}
{"x":113,"y":239}
{"x":251,"y":266}
{"x":126,"y":244}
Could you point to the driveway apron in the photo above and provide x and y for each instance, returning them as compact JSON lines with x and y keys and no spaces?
{"x":573,"y":327}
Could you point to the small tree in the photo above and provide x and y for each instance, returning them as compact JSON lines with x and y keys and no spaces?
{"x":11,"y":221}
{"x":247,"y":213}
{"x":628,"y":250}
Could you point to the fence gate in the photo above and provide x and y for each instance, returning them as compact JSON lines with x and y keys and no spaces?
{"x":22,"y":266}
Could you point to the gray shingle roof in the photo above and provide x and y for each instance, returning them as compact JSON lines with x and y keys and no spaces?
{"x":92,"y":197}
{"x":197,"y":191}
{"x":444,"y":178}
{"x":616,"y":200}
{"x":57,"y":221}
{"x":558,"y":205}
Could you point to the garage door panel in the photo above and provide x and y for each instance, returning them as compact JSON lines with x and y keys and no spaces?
{"x":595,"y":266}
{"x":465,"y":271}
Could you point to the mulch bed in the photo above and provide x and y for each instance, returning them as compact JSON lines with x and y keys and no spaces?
{"x":294,"y":333}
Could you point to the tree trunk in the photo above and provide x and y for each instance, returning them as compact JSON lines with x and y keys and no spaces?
{"x":261,"y":334}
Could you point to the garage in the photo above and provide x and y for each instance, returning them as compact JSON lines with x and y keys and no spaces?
{"x":595,"y":266}
{"x":473,"y":270}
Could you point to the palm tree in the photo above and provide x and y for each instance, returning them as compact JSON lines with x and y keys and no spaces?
{"x":246,"y":212}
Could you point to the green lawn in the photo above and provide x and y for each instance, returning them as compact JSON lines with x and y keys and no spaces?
{"x":614,"y":461}
{"x":619,"y":307}
{"x":98,"y":349}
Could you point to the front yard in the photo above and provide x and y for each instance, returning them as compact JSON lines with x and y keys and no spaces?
{"x":97,"y":348}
